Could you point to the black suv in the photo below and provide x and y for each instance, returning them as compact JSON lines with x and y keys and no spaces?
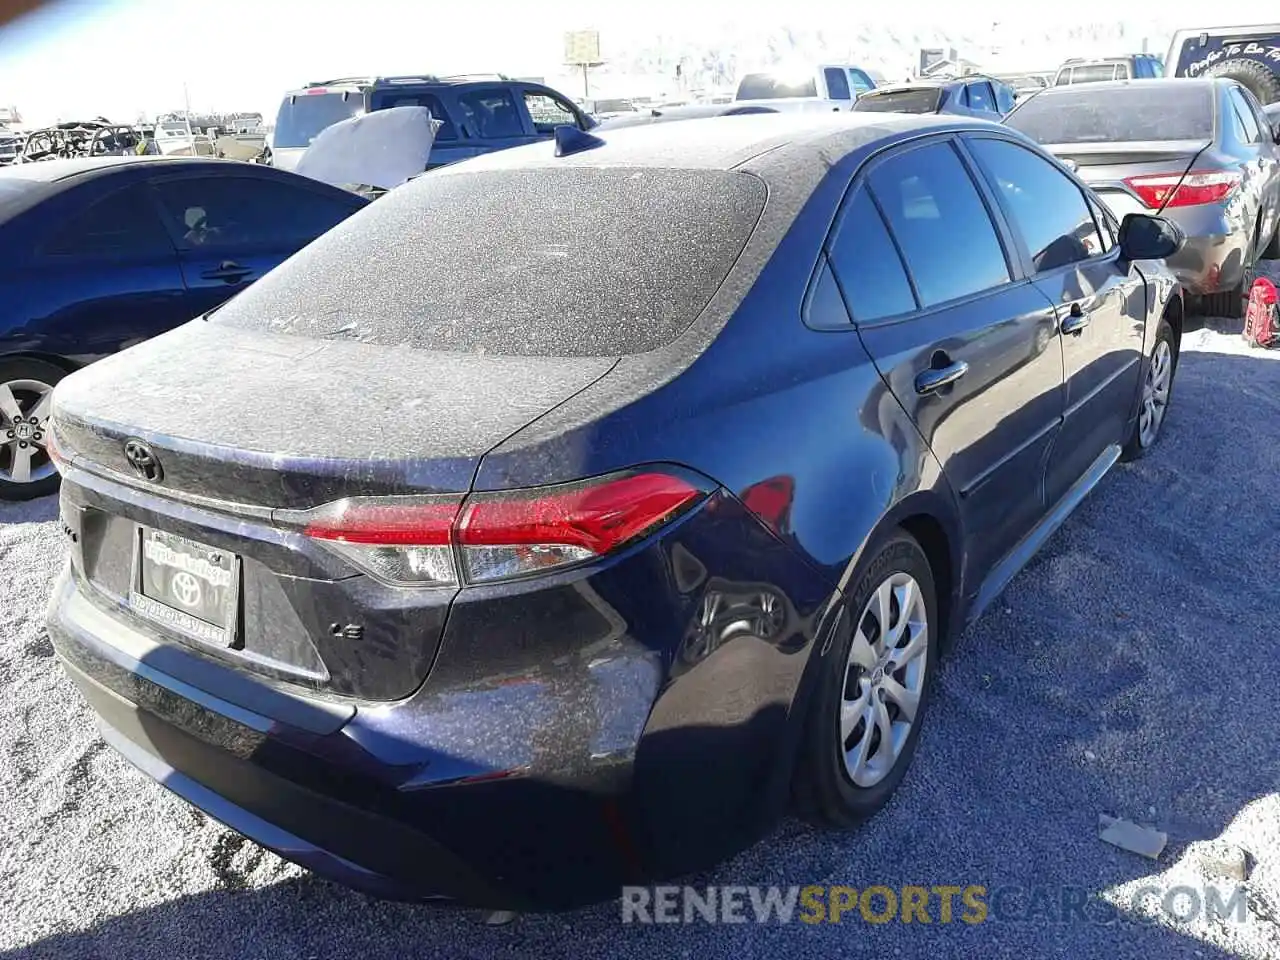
{"x":479,"y":113}
{"x":1248,"y":55}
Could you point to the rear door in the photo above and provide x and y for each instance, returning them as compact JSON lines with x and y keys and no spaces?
{"x":1100,"y":300}
{"x":968,"y":347}
{"x":104,"y":278}
{"x":231,"y":229}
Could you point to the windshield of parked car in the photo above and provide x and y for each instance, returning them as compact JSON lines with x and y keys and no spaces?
{"x":921,"y":100}
{"x":303,"y":116}
{"x":768,"y":86}
{"x":1141,"y":111}
{"x":572,"y":261}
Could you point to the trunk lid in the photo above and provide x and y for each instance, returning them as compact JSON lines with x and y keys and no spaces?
{"x":245,"y":424}
{"x":279,"y":421}
{"x":1105,"y":166}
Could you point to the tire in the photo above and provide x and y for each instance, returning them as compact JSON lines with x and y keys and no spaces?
{"x":1262,"y":83}
{"x":26,"y":471}
{"x":824,"y":786}
{"x":1141,"y":440}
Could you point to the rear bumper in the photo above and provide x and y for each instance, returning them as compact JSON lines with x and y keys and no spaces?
{"x":580,"y":735}
{"x":1213,"y":258}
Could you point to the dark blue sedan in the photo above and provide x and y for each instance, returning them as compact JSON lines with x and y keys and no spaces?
{"x":599,"y":498}
{"x":99,"y":254}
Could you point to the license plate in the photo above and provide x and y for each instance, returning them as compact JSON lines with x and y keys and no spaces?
{"x":189,"y":587}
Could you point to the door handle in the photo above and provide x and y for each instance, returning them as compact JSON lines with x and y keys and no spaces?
{"x":934,"y":379}
{"x":1076,"y":321}
{"x":228,"y":270}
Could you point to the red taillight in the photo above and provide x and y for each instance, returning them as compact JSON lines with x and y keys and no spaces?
{"x":1163,"y":190}
{"x":502,"y":535}
{"x":56,"y":456}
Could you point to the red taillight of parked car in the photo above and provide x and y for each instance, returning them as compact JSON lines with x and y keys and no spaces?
{"x":485,"y":537}
{"x":1164,"y":190}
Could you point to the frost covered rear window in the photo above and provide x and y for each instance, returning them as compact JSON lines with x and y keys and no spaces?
{"x":577,"y":261}
{"x":1175,"y":110}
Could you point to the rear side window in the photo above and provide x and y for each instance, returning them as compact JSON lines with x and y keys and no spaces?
{"x":243,"y":211}
{"x":1143,"y":111}
{"x":940,"y":222}
{"x":447,"y":131}
{"x":837,"y":83}
{"x":1247,"y":128}
{"x":1048,"y":209}
{"x":981,"y":97}
{"x":492,"y":114}
{"x":122,"y":224}
{"x":866,"y":263}
{"x":599,"y":262}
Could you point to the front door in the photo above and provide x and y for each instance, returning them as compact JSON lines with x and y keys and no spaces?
{"x":1099,"y":300}
{"x":969,"y":350}
{"x":230,"y":230}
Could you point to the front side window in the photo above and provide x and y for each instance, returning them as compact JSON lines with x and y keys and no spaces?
{"x":940,"y":222}
{"x":866,"y":263}
{"x":1047,"y":208}
{"x":548,"y":112}
{"x":243,"y":211}
{"x":121,"y":225}
{"x":492,"y":114}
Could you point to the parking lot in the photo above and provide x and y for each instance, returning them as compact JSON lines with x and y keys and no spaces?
{"x":1129,"y":671}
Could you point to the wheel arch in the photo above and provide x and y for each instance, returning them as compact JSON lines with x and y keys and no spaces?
{"x":53,"y":358}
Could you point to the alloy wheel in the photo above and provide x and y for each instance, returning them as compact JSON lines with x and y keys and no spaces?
{"x":884,"y":679}
{"x":25,"y":406}
{"x":1155,"y":394}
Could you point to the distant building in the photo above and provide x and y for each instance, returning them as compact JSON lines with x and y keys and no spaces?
{"x":932,"y":55}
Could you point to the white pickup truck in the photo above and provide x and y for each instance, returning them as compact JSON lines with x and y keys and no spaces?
{"x":826,"y":87}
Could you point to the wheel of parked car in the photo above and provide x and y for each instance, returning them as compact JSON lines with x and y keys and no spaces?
{"x":1157,"y":389}
{"x":1261,"y":82}
{"x":870,"y":700}
{"x":26,"y":393}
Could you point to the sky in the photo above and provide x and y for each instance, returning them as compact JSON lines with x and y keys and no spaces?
{"x":121,"y":57}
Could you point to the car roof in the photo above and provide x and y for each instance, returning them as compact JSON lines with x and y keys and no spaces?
{"x":415,"y":80}
{"x":784,"y":149}
{"x":55,"y":171}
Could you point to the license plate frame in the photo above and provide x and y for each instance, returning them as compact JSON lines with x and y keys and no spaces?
{"x":206,"y":569}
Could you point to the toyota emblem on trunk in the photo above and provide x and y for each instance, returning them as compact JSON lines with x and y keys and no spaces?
{"x":142,"y":459}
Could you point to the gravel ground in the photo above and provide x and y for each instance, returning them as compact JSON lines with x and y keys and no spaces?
{"x":1127,"y":671}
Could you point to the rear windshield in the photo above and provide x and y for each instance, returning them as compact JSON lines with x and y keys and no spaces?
{"x":900,"y":101}
{"x":1144,"y":111}
{"x":303,"y":116}
{"x":1092,"y":73}
{"x":576,"y":261}
{"x":767,"y":86}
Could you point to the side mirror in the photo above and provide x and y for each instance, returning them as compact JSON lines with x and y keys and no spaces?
{"x":1144,"y":237}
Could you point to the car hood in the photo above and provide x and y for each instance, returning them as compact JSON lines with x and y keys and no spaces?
{"x":380,"y":149}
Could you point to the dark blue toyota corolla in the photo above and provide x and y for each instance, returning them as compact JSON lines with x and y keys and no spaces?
{"x":552,"y":522}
